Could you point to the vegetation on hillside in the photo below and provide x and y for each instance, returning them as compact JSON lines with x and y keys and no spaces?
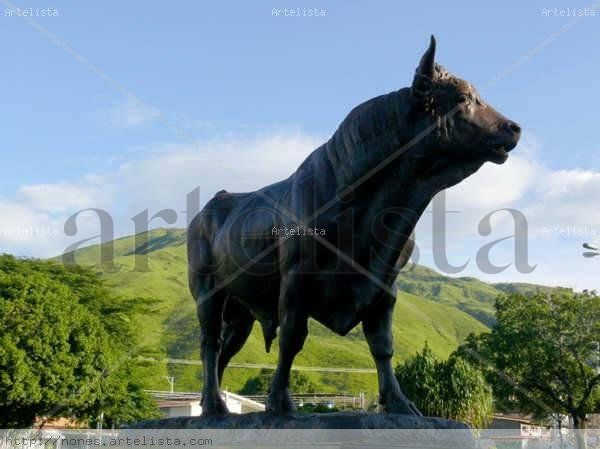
{"x":171,"y":330}
{"x":468,"y":294}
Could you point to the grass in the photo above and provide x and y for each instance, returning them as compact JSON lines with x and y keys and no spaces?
{"x":431,"y":308}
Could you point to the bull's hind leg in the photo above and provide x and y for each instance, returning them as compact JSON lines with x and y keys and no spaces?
{"x":210,"y":301}
{"x":238,"y":322}
{"x":209,"y":304}
{"x":293,"y":323}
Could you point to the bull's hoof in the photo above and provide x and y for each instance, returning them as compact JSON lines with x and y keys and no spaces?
{"x":402,"y":406}
{"x":213,"y":403}
{"x":280,"y":401}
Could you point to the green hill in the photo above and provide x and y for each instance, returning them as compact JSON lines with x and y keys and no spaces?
{"x":431,"y":308}
{"x":468,"y":294}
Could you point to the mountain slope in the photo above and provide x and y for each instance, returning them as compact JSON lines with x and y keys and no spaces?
{"x":431,"y":308}
{"x":467,"y":294}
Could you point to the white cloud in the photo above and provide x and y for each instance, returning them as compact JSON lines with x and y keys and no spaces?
{"x":159,"y":180}
{"x":65,"y":196}
{"x":561,"y":211}
{"x":25,"y":231}
{"x":495,"y":185}
{"x":127,"y":114}
{"x":162,"y":179}
{"x":567,"y":202}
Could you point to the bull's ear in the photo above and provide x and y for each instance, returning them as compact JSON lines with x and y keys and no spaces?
{"x":423,"y":81}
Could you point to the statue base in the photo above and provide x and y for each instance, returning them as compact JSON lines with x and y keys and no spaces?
{"x":309,"y":430}
{"x":337,"y":420}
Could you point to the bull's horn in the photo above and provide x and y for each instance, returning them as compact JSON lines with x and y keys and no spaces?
{"x":426,"y":66}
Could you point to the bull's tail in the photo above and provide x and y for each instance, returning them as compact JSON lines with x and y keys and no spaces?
{"x":269,"y":328}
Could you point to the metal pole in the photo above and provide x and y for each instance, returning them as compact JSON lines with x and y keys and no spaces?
{"x":171,"y":381}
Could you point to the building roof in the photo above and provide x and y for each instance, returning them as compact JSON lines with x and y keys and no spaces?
{"x":523,"y":419}
{"x":182,"y":398}
{"x":178,"y":403}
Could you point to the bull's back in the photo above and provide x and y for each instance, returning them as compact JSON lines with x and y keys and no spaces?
{"x":208,"y":232}
{"x":234,"y":232}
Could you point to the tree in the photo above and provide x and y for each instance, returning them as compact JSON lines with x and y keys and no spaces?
{"x":116,"y":311}
{"x":451,"y":389}
{"x":544,"y":352}
{"x":299,"y":383}
{"x":56,"y":356}
{"x":125,"y":402}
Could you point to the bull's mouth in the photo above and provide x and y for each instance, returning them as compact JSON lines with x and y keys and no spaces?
{"x":499,"y":154}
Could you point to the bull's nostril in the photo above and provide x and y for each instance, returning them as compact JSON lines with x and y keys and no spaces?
{"x":514,"y":127}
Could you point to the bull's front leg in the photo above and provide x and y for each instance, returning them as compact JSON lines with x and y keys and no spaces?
{"x":377,"y":328}
{"x":293,"y":330}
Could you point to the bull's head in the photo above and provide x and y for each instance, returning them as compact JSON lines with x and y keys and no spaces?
{"x":467,"y":130}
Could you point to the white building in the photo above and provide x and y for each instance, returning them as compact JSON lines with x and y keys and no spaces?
{"x":188,"y":404}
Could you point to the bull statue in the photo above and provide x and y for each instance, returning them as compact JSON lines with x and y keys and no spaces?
{"x":348,"y":212}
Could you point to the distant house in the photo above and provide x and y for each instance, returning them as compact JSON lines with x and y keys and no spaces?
{"x":188,"y":404}
{"x":180,"y":407}
{"x":593,"y":421}
{"x":517,"y":422}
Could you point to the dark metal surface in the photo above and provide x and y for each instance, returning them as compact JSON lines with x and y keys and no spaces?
{"x":362,"y":193}
{"x":338,"y":420}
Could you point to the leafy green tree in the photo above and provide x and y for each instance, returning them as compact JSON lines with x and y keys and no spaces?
{"x":451,"y":389}
{"x":299,"y":383}
{"x":116,"y":311}
{"x":420,"y":381}
{"x":544,"y":352}
{"x":56,"y":356}
{"x":124,"y":401}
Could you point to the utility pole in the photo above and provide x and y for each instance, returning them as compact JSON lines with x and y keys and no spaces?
{"x":171,"y":381}
{"x":598,"y":358}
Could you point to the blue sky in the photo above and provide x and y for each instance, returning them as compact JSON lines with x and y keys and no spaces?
{"x":239,"y":80}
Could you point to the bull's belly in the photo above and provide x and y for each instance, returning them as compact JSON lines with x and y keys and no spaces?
{"x":260,"y":294}
{"x":342,"y":301}
{"x":262,"y":299}
{"x":337,"y":321}
{"x":339,"y":304}
{"x":338,"y":299}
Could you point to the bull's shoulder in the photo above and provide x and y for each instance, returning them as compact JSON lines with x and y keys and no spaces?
{"x":214,"y":212}
{"x":225,"y":200}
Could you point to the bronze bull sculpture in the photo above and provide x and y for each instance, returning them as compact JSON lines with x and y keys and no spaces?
{"x":361,"y":193}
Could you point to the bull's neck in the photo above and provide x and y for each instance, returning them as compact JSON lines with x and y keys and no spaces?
{"x":371,"y":138}
{"x":373,"y":151}
{"x":403,"y":198}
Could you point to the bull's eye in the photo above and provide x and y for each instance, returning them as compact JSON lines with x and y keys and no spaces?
{"x":463,"y":99}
